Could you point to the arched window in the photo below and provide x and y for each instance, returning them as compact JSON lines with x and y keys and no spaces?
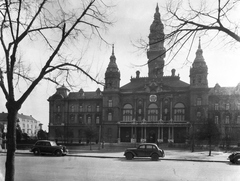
{"x":179,"y":112}
{"x":127,"y":112}
{"x":152,"y":113}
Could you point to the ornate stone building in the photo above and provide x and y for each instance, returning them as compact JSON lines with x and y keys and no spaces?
{"x":156,"y":108}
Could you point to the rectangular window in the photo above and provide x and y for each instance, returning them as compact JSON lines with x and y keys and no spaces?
{"x":110,"y":116}
{"x":81,"y":108}
{"x":199,"y":101}
{"x":80,"y":119}
{"x":58,"y":108}
{"x":72,"y":108}
{"x":89,"y":108}
{"x":216,"y":119}
{"x":238,"y":120}
{"x":97,"y":120}
{"x":89,"y":120}
{"x":110,"y":103}
{"x":216,"y":107}
{"x":227,"y":120}
{"x":238,"y":106}
{"x":227,"y":106}
{"x":98,"y":108}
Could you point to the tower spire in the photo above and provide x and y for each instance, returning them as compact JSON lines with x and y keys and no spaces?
{"x":157,"y":8}
{"x":113,"y":49}
{"x":199,"y":44}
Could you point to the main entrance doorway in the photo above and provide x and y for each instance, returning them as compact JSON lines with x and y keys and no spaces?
{"x":165,"y":135}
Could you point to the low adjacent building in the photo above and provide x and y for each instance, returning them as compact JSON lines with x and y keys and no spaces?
{"x":28,"y":124}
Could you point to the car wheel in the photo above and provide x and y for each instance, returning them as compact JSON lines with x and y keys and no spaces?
{"x":129,"y":156}
{"x":58,"y":153}
{"x":36,"y":152}
{"x":155,"y":157}
{"x":237,"y":159}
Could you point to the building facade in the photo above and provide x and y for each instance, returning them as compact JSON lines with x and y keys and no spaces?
{"x":156,"y":108}
{"x":28,"y":124}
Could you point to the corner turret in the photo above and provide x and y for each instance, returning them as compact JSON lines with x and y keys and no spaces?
{"x":112,"y":75}
{"x":199,"y":70}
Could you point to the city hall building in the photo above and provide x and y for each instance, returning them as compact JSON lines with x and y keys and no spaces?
{"x":157,"y":108}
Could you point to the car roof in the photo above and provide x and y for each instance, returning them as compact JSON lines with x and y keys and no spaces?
{"x":45,"y":141}
{"x":148,"y":144}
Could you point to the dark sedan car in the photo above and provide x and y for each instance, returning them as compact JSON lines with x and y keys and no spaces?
{"x":48,"y":147}
{"x":144,"y":150}
{"x":234,"y":157}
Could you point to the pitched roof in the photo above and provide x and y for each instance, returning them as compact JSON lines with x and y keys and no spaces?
{"x":3,"y":117}
{"x":217,"y":90}
{"x":167,"y":82}
{"x":85,"y":95}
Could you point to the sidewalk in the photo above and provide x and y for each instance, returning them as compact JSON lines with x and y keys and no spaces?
{"x":117,"y":152}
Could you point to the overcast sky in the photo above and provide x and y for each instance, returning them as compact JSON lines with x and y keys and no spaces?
{"x":133,"y":20}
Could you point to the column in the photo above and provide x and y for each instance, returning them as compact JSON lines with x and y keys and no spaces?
{"x":119,"y":134}
{"x":160,"y":109}
{"x":171,"y":110}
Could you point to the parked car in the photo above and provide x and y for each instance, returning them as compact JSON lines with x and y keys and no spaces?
{"x":144,"y":150}
{"x":234,"y":157}
{"x":48,"y":147}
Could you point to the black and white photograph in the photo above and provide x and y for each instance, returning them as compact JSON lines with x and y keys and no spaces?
{"x":123,"y":90}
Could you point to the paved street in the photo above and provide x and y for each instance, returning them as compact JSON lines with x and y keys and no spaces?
{"x":110,"y":164}
{"x":39,"y":168}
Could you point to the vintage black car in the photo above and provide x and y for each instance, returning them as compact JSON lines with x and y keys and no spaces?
{"x":144,"y":150}
{"x":48,"y":147}
{"x":234,"y":157}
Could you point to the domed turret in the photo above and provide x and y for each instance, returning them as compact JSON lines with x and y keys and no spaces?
{"x":199,"y":70}
{"x":112,"y":75}
{"x":156,"y":52}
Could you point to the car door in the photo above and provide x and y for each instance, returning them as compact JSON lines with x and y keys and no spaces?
{"x":141,"y":151}
{"x":48,"y":147}
{"x":149,"y":150}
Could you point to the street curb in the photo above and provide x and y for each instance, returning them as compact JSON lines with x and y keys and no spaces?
{"x":167,"y":159}
{"x":119,"y":157}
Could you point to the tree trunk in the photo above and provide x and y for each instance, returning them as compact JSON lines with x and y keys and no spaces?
{"x":11,"y":140}
{"x":210,"y":147}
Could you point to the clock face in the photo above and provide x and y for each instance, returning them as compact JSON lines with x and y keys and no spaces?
{"x":153,"y":98}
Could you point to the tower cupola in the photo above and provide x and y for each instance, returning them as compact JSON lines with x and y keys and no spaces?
{"x":112,"y":75}
{"x":156,"y":51}
{"x":199,"y":70}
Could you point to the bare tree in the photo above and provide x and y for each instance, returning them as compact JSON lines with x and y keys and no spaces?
{"x":188,"y":19}
{"x":58,"y":24}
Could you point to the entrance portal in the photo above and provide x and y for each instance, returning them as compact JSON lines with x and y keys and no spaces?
{"x":165,"y":135}
{"x":152,"y":137}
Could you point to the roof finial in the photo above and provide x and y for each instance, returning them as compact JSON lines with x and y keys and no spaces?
{"x":157,"y":9}
{"x":199,"y":45}
{"x":112,"y":49}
